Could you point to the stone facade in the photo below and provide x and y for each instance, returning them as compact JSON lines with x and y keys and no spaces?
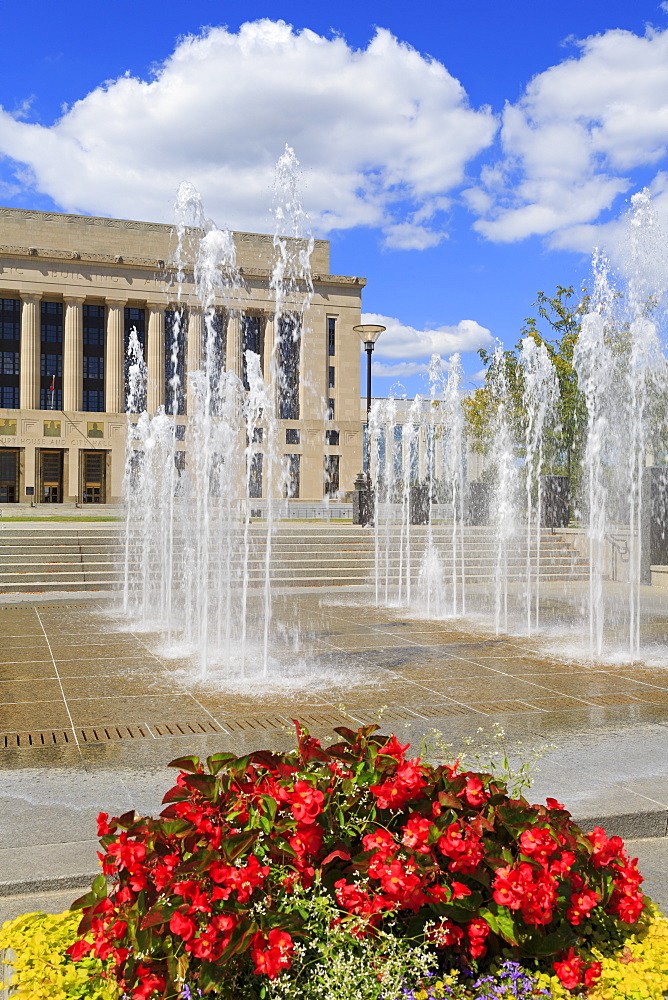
{"x":69,"y":288}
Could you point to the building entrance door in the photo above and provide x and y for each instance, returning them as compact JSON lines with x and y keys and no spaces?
{"x":51,"y":476}
{"x":93,"y":478}
{"x":9,"y":475}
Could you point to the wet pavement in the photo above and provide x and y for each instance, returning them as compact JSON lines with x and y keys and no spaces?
{"x":108,"y":708}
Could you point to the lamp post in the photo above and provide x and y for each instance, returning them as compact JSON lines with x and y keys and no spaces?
{"x":369,"y":334}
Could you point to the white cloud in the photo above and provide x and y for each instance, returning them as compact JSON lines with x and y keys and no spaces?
{"x":383,"y":133}
{"x":402,"y":369}
{"x":571,"y":143}
{"x":405,"y":342}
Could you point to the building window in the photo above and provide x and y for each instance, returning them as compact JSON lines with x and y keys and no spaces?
{"x":332,"y":475}
{"x":51,"y":364}
{"x":10,"y":319}
{"x":258,"y":435}
{"x":289,"y":344}
{"x":180,"y":432}
{"x":9,"y":362}
{"x":9,"y":397}
{"x":50,"y":399}
{"x":255,"y":477}
{"x":93,"y":358}
{"x":51,"y":356}
{"x":215,"y":354}
{"x":134,"y":319}
{"x":180,"y":461}
{"x":292,"y":435}
{"x":176,"y":325}
{"x":331,"y":336}
{"x":93,"y":401}
{"x":330,"y":409}
{"x":293,"y":463}
{"x":251,"y":340}
{"x":93,"y":367}
{"x":332,"y":437}
{"x":10,"y":344}
{"x":331,"y":380}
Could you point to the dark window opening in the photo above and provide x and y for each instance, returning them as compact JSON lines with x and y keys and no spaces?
{"x":9,"y":397}
{"x":176,"y":326}
{"x":332,"y":475}
{"x":51,"y":356}
{"x":330,"y":409}
{"x":93,"y":358}
{"x":10,"y":344}
{"x":292,"y":435}
{"x":255,"y":477}
{"x":258,"y":435}
{"x":215,"y":353}
{"x":9,"y":475}
{"x":252,"y":339}
{"x":289,"y":344}
{"x":292,"y":476}
{"x":93,"y":401}
{"x":331,"y":381}
{"x":134,"y":319}
{"x":331,"y":437}
{"x":331,"y":336}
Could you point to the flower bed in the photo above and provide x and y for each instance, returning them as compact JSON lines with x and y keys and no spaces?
{"x":353,"y":871}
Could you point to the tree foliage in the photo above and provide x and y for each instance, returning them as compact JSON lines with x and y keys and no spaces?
{"x":560,"y":317}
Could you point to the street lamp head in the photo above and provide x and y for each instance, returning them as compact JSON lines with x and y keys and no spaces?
{"x":369,"y":334}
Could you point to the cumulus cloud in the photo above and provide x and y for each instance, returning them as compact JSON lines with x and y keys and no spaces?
{"x":402,"y":369}
{"x":383,"y":133}
{"x":405,"y":342}
{"x":572,"y":141}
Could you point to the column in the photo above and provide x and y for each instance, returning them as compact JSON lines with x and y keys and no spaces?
{"x":194,"y":353}
{"x":267,"y":360}
{"x":155,"y":356}
{"x":233,"y":346}
{"x":114,"y":354}
{"x":30,"y":350}
{"x":73,"y":352}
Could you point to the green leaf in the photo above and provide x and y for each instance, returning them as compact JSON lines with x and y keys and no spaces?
{"x":233,"y":847}
{"x":190,"y":763}
{"x":99,"y":887}
{"x":502,"y":923}
{"x":551,"y":944}
{"x":217,"y":761}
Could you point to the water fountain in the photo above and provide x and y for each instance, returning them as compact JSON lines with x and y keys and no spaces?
{"x":199,"y":571}
{"x":496,"y":575}
{"x":196,"y":569}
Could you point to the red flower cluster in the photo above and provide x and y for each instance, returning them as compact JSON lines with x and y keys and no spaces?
{"x":532,"y":892}
{"x":573,"y":971}
{"x":427,"y":846}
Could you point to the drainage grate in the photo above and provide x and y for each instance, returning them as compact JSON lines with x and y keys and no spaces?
{"x":389,"y":715}
{"x":614,"y":700}
{"x":494,"y":707}
{"x":48,"y":738}
{"x":106,"y":734}
{"x":437,"y":711}
{"x":185,"y":728}
{"x":260,"y":724}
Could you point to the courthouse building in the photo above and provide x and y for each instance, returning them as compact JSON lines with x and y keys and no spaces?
{"x":72,"y":288}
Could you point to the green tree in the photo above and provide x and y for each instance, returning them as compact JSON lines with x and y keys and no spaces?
{"x":560,"y":316}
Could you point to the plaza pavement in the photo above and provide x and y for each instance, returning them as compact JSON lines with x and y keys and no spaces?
{"x":108,"y":708}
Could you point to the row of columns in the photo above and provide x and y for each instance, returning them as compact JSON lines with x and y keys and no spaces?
{"x":115,"y":351}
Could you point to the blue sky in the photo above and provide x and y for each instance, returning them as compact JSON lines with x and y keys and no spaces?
{"x":461,"y":155}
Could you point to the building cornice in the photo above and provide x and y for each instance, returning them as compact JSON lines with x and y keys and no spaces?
{"x":153,"y":264}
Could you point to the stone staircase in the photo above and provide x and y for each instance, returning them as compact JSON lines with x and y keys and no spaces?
{"x":43,"y":558}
